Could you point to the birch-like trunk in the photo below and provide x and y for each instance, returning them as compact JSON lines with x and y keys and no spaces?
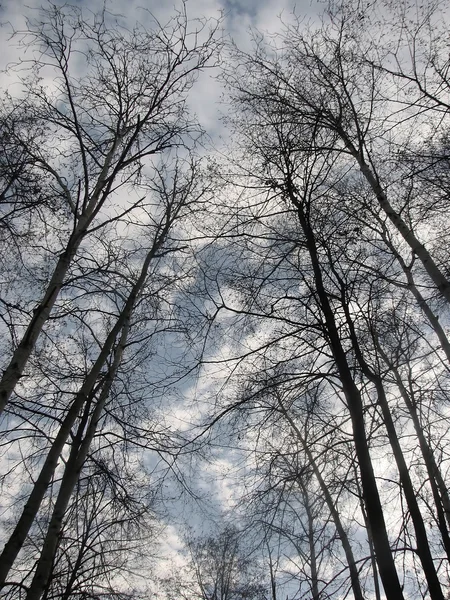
{"x":311,"y":542}
{"x":41,"y":313}
{"x":77,"y":458}
{"x":423,"y":547}
{"x":17,"y":538}
{"x":418,"y":249}
{"x":351,"y":562}
{"x":437,"y":483}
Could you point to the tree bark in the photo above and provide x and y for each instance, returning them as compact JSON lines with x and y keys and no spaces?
{"x":386,"y":564}
{"x":17,"y":538}
{"x":423,"y":547}
{"x":354,"y":575}
{"x":14,"y":370}
{"x":77,"y":458}
{"x":437,"y":483}
{"x":311,"y":543}
{"x":436,"y":275}
{"x":376,"y":583}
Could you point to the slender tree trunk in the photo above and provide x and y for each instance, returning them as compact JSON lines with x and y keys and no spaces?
{"x":423,"y":547}
{"x":273,"y":583}
{"x":351,"y":562}
{"x":31,"y":508}
{"x":14,"y":370}
{"x":77,"y":458}
{"x":421,"y":301}
{"x":436,"y":275}
{"x":386,"y":564}
{"x":17,"y":538}
{"x":437,"y":483}
{"x":376,"y":583}
{"x":311,"y":542}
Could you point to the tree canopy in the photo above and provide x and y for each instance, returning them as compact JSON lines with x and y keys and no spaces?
{"x":256,"y":329}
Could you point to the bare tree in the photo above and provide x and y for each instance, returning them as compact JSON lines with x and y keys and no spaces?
{"x":319,"y":272}
{"x":85,"y":411}
{"x":91,"y":150}
{"x":220,"y":569}
{"x":323,"y":77}
{"x":121,"y":177}
{"x":104,"y":540}
{"x":316,"y":125}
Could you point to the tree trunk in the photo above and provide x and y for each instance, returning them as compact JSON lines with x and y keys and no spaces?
{"x":17,"y":538}
{"x":421,"y":301}
{"x":418,"y":249}
{"x":311,"y":542}
{"x":386,"y":564}
{"x":373,"y":561}
{"x":16,"y":366}
{"x":351,"y":562}
{"x":71,"y":475}
{"x":423,"y":548}
{"x":437,"y":483}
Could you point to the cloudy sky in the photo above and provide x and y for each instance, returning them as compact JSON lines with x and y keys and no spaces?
{"x":213,"y":480}
{"x":239,"y":17}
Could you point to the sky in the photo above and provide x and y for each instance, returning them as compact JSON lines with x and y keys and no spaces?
{"x":239,"y":17}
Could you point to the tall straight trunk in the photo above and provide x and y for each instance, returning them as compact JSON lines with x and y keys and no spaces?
{"x":17,"y":538}
{"x":31,"y":508}
{"x":376,"y":583}
{"x":311,"y":542}
{"x":433,"y":320}
{"x":273,"y":583}
{"x":437,"y":483}
{"x":423,"y":547}
{"x":74,"y":465}
{"x":41,"y":313}
{"x":351,"y":562}
{"x":436,"y":275}
{"x":385,"y":559}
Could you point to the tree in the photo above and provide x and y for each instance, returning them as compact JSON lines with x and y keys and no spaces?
{"x":88,"y":150}
{"x":314,"y":256}
{"x":315,"y":128}
{"x":298,"y":186}
{"x":116,"y":261}
{"x":293,"y":502}
{"x":106,"y":527}
{"x":86,"y":410}
{"x":220,"y":569}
